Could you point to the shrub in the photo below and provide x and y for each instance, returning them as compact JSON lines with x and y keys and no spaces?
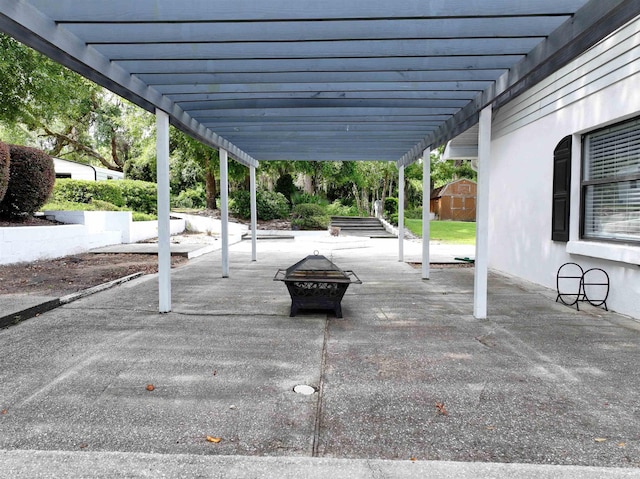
{"x":390,"y":206}
{"x":139,"y":195}
{"x":190,"y":198}
{"x":31,"y":179}
{"x":86,"y":191}
{"x":286,"y":186}
{"x":413,"y":214}
{"x":309,"y":216}
{"x":393,"y":219}
{"x":301,"y":197}
{"x":137,"y":216}
{"x":269,"y":205}
{"x":311,"y":223}
{"x":100,"y":205}
{"x":307,"y":209}
{"x":338,"y":209}
{"x":4,"y":169}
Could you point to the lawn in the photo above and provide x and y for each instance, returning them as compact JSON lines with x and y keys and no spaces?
{"x":456,"y":232}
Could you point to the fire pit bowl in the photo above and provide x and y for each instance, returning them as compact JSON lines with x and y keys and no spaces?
{"x":316,"y":283}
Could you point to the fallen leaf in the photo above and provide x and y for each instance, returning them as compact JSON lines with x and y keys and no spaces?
{"x":83,"y":445}
{"x":150,"y":387}
{"x":4,"y":411}
{"x":214,"y":439}
{"x":413,"y":458}
{"x":491,"y":428}
{"x":621,"y":444}
{"x":600,"y":439}
{"x":441,"y":409}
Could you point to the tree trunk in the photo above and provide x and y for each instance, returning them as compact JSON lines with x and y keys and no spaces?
{"x":356,"y":195}
{"x":210,"y":187}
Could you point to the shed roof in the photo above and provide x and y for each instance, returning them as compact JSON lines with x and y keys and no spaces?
{"x":308,"y":80}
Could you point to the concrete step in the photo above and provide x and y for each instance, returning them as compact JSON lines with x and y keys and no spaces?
{"x":360,"y":226}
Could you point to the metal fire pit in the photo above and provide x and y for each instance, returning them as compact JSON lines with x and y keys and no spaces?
{"x":316,"y":283}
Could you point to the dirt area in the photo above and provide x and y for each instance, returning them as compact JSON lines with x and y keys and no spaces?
{"x":58,"y":277}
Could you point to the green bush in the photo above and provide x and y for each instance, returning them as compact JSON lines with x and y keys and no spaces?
{"x":338,"y":209}
{"x":100,"y":205}
{"x":190,"y":198}
{"x":285,"y":185}
{"x":305,"y":210}
{"x":390,"y":206}
{"x":301,"y":197}
{"x":269,"y":205}
{"x":4,"y":169}
{"x":137,"y":216}
{"x":393,"y":219}
{"x":86,"y":191}
{"x":413,"y":214}
{"x":309,"y":216}
{"x":311,"y":223}
{"x":31,"y":179}
{"x":139,"y":195}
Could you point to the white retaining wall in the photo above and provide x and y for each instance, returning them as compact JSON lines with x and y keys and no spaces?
{"x":205,"y":224}
{"x":82,"y":231}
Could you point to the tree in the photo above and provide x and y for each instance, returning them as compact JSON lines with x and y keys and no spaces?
{"x":54,"y":108}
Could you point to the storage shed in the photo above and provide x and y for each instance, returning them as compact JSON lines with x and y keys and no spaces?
{"x":455,"y":201}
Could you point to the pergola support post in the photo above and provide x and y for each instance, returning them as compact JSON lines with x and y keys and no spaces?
{"x":401,"y":213}
{"x":164,"y":231}
{"x":482,"y":216}
{"x":224,"y":210}
{"x":426,"y":211}
{"x":254,"y":213}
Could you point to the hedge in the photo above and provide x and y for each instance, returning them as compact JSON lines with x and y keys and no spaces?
{"x":309,"y":216}
{"x":4,"y":169}
{"x":132,"y":194}
{"x":85,"y":191}
{"x":269,"y":205}
{"x":31,"y":179}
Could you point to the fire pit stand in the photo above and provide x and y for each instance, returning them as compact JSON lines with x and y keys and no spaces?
{"x":316,"y":283}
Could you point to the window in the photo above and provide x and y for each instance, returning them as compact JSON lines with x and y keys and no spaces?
{"x":611,"y":183}
{"x":561,"y":190}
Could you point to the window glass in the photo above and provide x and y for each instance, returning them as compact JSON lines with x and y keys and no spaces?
{"x":611,"y":183}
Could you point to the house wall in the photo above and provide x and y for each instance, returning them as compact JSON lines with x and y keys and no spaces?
{"x":599,"y":88}
{"x":77,"y":171}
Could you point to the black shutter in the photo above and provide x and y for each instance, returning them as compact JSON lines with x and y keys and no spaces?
{"x":561,"y":190}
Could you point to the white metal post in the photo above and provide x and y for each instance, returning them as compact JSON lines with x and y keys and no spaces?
{"x":401,"y":213}
{"x":224,"y":210}
{"x":482,"y":216}
{"x":426,"y":212}
{"x":164,"y":232}
{"x":254,"y":213}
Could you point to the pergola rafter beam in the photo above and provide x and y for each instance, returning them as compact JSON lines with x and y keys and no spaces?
{"x":590,"y":24}
{"x":20,"y":20}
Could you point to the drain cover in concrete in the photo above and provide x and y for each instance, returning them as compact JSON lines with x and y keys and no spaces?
{"x":304,"y":389}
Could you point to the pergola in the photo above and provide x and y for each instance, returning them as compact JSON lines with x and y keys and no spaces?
{"x":332,"y":80}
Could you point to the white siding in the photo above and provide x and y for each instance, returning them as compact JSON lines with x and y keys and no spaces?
{"x":78,"y":171}
{"x":599,"y":88}
{"x":613,"y":60}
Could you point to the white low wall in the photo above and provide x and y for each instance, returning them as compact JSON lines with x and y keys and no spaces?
{"x":82,"y":231}
{"x":31,"y":243}
{"x":205,"y":224}
{"x":143,"y":230}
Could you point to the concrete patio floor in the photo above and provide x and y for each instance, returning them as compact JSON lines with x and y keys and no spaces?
{"x":408,"y":383}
